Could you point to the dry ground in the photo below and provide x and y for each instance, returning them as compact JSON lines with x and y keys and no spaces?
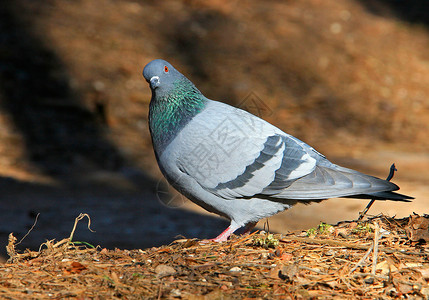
{"x":382,"y":258}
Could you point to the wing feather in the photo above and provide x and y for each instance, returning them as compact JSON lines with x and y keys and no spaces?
{"x":237,"y":155}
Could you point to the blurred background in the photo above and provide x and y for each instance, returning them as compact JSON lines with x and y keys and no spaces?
{"x":349,"y":77}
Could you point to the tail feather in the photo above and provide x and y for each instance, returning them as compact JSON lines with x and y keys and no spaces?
{"x":335,"y":181}
{"x":390,"y":196}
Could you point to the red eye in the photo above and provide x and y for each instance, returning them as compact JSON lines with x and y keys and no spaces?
{"x":165,"y":69}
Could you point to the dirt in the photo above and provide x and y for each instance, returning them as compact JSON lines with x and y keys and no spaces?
{"x":382,"y":258}
{"x":351,"y":78}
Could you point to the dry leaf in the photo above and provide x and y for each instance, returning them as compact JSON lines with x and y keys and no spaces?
{"x":386,"y":267}
{"x":404,"y":288}
{"x":418,"y":228}
{"x":114,"y":277}
{"x":286,"y":256}
{"x":288,"y":272}
{"x":424,"y":272}
{"x":76,"y":268}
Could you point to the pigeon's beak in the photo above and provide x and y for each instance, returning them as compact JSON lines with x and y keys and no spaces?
{"x":154,"y":82}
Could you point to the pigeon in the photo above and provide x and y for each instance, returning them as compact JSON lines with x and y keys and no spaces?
{"x":236,"y":164}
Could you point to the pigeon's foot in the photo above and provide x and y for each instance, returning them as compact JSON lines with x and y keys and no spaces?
{"x":223,"y":237}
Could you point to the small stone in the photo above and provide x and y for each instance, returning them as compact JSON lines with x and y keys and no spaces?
{"x":235,"y":269}
{"x":176,"y":293}
{"x":164,"y":270}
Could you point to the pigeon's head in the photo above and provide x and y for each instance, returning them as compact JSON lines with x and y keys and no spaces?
{"x":162,"y":77}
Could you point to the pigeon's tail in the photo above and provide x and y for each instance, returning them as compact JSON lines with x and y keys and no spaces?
{"x":393,"y":196}
{"x":338,"y":182}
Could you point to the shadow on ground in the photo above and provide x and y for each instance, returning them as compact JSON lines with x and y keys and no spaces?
{"x":133,"y":219}
{"x":412,"y":11}
{"x":65,"y":140}
{"x":59,"y":132}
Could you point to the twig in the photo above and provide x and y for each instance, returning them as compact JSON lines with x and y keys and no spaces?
{"x":243,"y":239}
{"x":287,"y":239}
{"x":60,"y":243}
{"x":346,"y":282}
{"x":28,"y":232}
{"x":80,"y":217}
{"x":198,"y":283}
{"x":268,"y":226}
{"x":383,"y":277}
{"x":389,"y":177}
{"x":360,"y":262}
{"x":312,"y":270}
{"x":160,"y":290}
{"x":50,"y":245}
{"x":375,"y":253}
{"x":324,"y":242}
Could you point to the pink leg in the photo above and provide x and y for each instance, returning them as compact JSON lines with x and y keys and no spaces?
{"x":227,"y":232}
{"x":224,"y":235}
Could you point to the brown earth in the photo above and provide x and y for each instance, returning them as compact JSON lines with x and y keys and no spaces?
{"x":351,"y":78}
{"x":383,"y":258}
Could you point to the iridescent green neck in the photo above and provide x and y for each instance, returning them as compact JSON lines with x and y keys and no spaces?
{"x":170,"y":113}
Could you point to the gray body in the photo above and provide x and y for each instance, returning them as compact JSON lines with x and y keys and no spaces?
{"x":241,"y":167}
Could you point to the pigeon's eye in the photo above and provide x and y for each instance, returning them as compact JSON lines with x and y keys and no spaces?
{"x":165,"y":69}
